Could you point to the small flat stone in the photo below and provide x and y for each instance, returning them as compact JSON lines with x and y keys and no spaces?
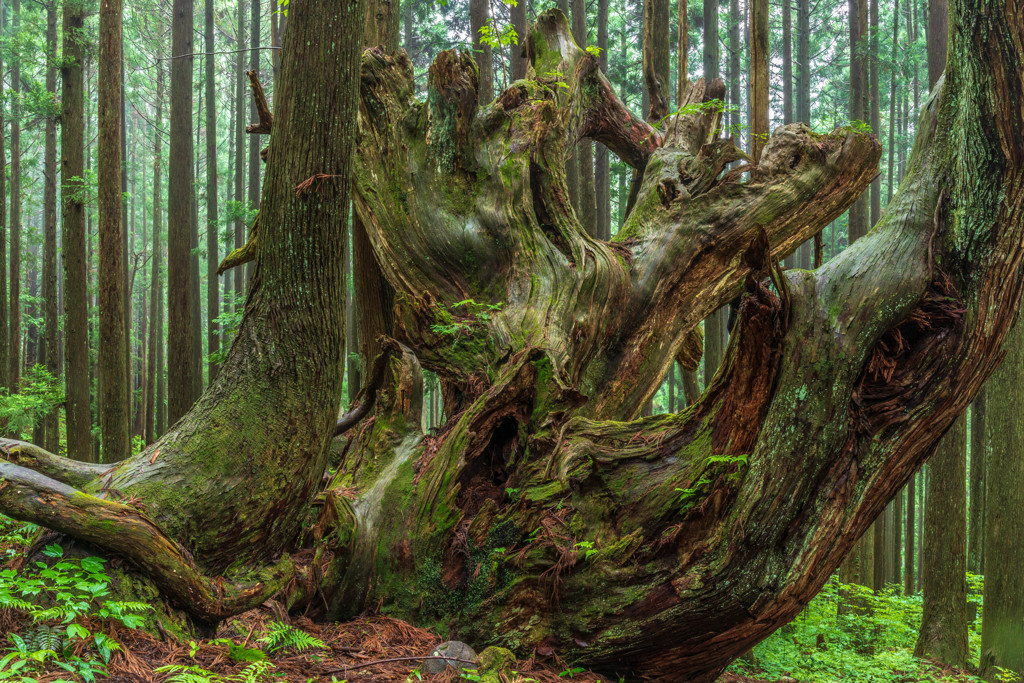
{"x":455,"y":649}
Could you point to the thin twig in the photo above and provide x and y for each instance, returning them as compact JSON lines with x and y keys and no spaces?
{"x":346,"y":669}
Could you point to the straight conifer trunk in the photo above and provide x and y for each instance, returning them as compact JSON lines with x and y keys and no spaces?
{"x":113,"y":349}
{"x":50,"y":355}
{"x":179,"y":219}
{"x":212,"y":214}
{"x":14,"y":335}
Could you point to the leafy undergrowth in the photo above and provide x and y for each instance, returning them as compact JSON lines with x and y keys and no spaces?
{"x":850,"y":633}
{"x":58,"y":622}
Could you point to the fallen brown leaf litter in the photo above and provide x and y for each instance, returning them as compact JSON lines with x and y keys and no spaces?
{"x":371,"y":648}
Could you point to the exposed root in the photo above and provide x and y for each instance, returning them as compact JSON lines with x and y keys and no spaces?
{"x":64,"y":470}
{"x":32,"y":497}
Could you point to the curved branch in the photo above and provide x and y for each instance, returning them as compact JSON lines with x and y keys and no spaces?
{"x":29,"y":496}
{"x":64,"y":470}
{"x":368,"y":394}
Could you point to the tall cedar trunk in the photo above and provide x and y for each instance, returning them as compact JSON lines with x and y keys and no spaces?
{"x":288,"y":374}
{"x":892,"y":95}
{"x":114,"y":407}
{"x":141,"y":339}
{"x":14,"y":334}
{"x":572,"y":177}
{"x":4,"y":302}
{"x":711,"y":52}
{"x":479,"y":16}
{"x":382,"y":19}
{"x":155,"y":366}
{"x":944,"y":622}
{"x":910,"y":576}
{"x":255,"y":35}
{"x":73,"y":238}
{"x":736,"y":21}
{"x":212,"y":215}
{"x":762,"y":485}
{"x":517,"y":15}
{"x":587,"y":204}
{"x":943,"y":635}
{"x":197,"y":305}
{"x":875,"y":66}
{"x":682,"y":56}
{"x":979,"y":468}
{"x":787,"y":61}
{"x":859,"y":111}
{"x":807,"y":257}
{"x":179,"y":219}
{"x":602,"y":176}
{"x":126,"y":275}
{"x":239,"y":163}
{"x":758,"y":76}
{"x":50,"y":299}
{"x":896,"y":542}
{"x":1002,"y":626}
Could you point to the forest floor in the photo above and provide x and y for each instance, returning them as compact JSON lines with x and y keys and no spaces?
{"x":375,"y":648}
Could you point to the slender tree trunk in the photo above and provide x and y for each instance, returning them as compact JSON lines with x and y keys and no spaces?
{"x":979,"y":468}
{"x":14,"y":336}
{"x":51,"y":356}
{"x":479,"y":16}
{"x":892,"y":95}
{"x":896,"y":542}
{"x":113,"y":343}
{"x":517,"y":15}
{"x":910,"y":577}
{"x":212,"y":214}
{"x":875,"y":67}
{"x":239,"y":173}
{"x":587,"y":205}
{"x":943,"y":635}
{"x":602,"y":177}
{"x":682,"y":57}
{"x":126,"y":274}
{"x":938,"y":31}
{"x":4,"y":301}
{"x":1002,"y":626}
{"x":858,"y":14}
{"x":179,"y":219}
{"x":154,"y":368}
{"x":787,"y":61}
{"x":255,"y":35}
{"x":711,"y":51}
{"x":758,"y":76}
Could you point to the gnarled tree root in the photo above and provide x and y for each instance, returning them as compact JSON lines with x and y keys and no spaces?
{"x":122,"y":529}
{"x":64,"y":470}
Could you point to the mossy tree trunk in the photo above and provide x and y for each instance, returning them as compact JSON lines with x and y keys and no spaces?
{"x":544,"y":513}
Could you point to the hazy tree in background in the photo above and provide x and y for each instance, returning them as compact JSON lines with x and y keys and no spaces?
{"x":49,"y":352}
{"x":586,"y":204}
{"x":212,"y":215}
{"x":14,"y":335}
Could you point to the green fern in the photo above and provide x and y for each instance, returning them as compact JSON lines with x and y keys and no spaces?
{"x":181,"y":673}
{"x":282,"y":636}
{"x":45,"y":638}
{"x":258,"y":672}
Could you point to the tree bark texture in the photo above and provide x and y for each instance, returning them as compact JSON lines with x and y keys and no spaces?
{"x":14,"y":307}
{"x":113,"y":349}
{"x":710,"y":527}
{"x":977,"y":485}
{"x":179,"y":219}
{"x":758,"y":76}
{"x":212,"y":215}
{"x":943,"y":634}
{"x":51,"y":354}
{"x":1002,"y":630}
